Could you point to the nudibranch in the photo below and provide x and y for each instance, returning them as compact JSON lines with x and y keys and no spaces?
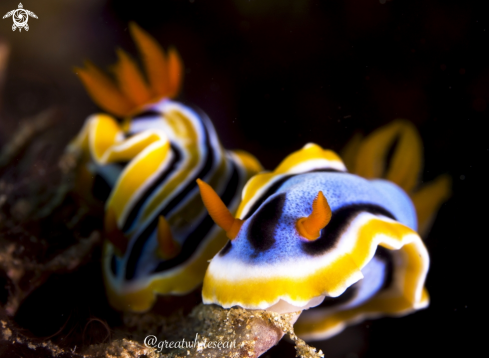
{"x":311,"y":234}
{"x":148,"y":151}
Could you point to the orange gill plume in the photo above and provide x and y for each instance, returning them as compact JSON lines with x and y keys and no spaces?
{"x":113,"y":233}
{"x":169,"y":248}
{"x":218,"y":211}
{"x":131,"y":90}
{"x":368,"y":157}
{"x":320,"y":216}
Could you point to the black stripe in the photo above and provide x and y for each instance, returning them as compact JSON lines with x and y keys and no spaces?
{"x":385,"y":255}
{"x":275,"y":186}
{"x":177,"y":156}
{"x":195,"y":238}
{"x":113,"y":265}
{"x":226,"y":248}
{"x":340,"y":220}
{"x":146,"y":114}
{"x":141,"y":240}
{"x":142,"y":115}
{"x":262,"y":226}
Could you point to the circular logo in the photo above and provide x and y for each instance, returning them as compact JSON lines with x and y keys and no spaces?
{"x":20,"y":17}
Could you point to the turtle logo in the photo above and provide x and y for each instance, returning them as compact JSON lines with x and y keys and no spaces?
{"x":20,"y":17}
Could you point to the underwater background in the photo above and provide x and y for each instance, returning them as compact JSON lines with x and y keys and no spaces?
{"x":272,"y":76}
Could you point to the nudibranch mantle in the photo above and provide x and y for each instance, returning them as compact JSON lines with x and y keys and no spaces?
{"x":270,"y":266}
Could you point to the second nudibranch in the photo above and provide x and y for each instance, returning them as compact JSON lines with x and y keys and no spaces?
{"x":159,"y":236}
{"x":310,"y":234}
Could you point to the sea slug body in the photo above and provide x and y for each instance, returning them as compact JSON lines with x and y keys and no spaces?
{"x":147,"y":154}
{"x":312,"y":236}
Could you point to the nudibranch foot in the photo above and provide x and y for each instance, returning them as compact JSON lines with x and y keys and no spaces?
{"x":284,"y":307}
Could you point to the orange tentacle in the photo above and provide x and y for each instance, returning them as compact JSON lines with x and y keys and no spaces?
{"x":218,"y":211}
{"x":311,"y":226}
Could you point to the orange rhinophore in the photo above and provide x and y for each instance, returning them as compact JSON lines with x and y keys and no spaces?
{"x":113,"y":233}
{"x":310,"y":226}
{"x":169,"y":248}
{"x":218,"y":211}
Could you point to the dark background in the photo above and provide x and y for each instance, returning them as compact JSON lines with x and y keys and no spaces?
{"x":274,"y":75}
